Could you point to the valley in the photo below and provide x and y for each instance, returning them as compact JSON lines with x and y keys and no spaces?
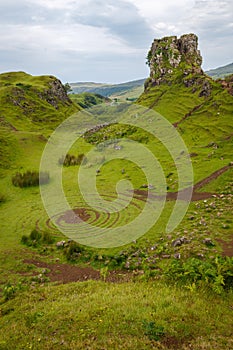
{"x":158,"y":290}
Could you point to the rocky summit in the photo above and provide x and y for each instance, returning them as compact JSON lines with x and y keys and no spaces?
{"x":171,"y":55}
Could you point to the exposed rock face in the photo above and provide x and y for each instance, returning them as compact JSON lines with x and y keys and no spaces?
{"x":56,"y":93}
{"x":227,"y":83}
{"x":171,"y":55}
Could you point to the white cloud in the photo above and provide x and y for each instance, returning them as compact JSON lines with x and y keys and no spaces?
{"x":106,"y":39}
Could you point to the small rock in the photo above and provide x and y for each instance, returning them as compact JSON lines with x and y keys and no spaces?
{"x":165,"y":256}
{"x":176,"y":243}
{"x":202,"y":222}
{"x":177,"y":256}
{"x":208,"y":242}
{"x":60,"y":244}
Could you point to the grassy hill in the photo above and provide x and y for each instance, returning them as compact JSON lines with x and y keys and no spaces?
{"x":30,"y":107}
{"x":119,"y":91}
{"x":161,"y":291}
{"x":220,"y":72}
{"x":88,"y":99}
{"x":28,"y":101}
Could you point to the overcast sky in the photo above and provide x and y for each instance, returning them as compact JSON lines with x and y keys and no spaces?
{"x":107,"y":40}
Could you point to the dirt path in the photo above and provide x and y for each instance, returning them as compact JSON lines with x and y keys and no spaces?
{"x":196,"y":196}
{"x":194,"y":109}
{"x":211,"y":177}
{"x":66,"y":273}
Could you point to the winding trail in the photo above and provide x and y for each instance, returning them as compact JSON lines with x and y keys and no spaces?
{"x":195,"y":195}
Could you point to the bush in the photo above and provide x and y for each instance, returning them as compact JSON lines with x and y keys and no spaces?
{"x":70,"y":160}
{"x":2,"y":198}
{"x":30,"y":178}
{"x":36,"y":238}
{"x":217,"y":274}
{"x":9,"y":290}
{"x":73,"y":251}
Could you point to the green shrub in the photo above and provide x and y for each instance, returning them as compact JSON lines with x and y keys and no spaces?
{"x":9,"y":290}
{"x":35,"y":235}
{"x":30,"y":178}
{"x":73,"y":251}
{"x":37,"y":238}
{"x":216,"y":274}
{"x":2,"y":198}
{"x":70,"y":160}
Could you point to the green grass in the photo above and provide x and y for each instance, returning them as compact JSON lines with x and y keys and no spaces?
{"x":97,"y":315}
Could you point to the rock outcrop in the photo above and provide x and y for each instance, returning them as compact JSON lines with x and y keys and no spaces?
{"x":227,"y":83}
{"x":171,"y":57}
{"x":55,"y":93}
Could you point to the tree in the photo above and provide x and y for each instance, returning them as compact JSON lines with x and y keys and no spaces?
{"x":67,"y":87}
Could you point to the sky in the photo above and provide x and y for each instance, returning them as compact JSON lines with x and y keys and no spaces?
{"x":107,"y":40}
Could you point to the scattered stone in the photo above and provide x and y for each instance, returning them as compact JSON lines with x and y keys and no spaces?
{"x":202,"y":222}
{"x":177,"y":256}
{"x":60,"y":244}
{"x":127,"y":265}
{"x":208,"y":242}
{"x":178,"y":242}
{"x":166,"y":256}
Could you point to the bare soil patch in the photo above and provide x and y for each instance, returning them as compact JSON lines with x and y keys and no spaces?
{"x":66,"y":273}
{"x":227,"y":247}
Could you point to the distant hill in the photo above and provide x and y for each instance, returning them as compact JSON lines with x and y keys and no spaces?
{"x":110,"y":90}
{"x":220,"y":72}
{"x":133,"y":89}
{"x":88,"y":99}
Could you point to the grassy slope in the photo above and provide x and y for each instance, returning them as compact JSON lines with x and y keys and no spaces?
{"x":29,"y":110}
{"x":88,"y":99}
{"x":210,"y":124}
{"x":98,"y":315}
{"x":220,"y":72}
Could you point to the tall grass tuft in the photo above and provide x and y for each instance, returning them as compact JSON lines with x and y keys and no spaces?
{"x":70,"y":160}
{"x":30,"y":178}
